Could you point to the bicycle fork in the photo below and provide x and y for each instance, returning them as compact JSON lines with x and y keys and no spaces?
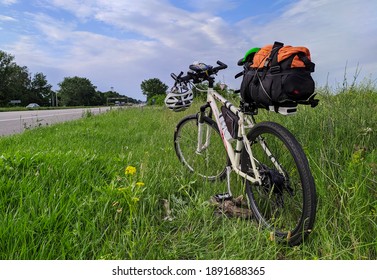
{"x":202,"y":131}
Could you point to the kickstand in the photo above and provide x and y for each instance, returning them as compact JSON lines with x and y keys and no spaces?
{"x":228,"y":195}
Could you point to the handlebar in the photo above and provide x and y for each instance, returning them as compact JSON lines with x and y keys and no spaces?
{"x":199,"y":73}
{"x":221,"y":66}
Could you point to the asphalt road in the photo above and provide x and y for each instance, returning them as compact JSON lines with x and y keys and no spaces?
{"x":19,"y":121}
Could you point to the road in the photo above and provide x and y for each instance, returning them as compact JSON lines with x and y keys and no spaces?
{"x":18,"y":121}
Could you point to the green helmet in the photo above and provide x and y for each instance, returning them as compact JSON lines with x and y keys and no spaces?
{"x":250,"y":54}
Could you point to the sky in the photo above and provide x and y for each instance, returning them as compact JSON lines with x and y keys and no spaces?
{"x":117,"y":44}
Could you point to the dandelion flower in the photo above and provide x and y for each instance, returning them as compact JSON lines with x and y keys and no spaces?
{"x":140,"y":184}
{"x":130,"y":170}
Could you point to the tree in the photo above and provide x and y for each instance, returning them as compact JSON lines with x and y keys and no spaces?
{"x":14,"y":79}
{"x":200,"y":91}
{"x":77,"y":91}
{"x":40,"y":91}
{"x":6,"y":68}
{"x":221,"y":88}
{"x":109,"y":95}
{"x":19,"y":83}
{"x":16,"y":83}
{"x":153,"y":87}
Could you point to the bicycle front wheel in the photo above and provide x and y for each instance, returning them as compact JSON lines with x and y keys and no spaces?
{"x":285,"y":202}
{"x":210,"y":159}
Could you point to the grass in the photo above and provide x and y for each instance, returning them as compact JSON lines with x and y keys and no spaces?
{"x":65,"y":194}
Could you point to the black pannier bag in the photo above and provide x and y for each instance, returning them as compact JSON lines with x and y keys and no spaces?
{"x":278,"y":78}
{"x":231,"y":121}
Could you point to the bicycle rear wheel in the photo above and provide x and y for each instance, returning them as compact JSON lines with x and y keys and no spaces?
{"x":211,"y":161}
{"x":285,"y":202}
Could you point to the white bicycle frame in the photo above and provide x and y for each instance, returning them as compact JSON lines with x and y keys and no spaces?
{"x":234,"y":154}
{"x":241,"y":140}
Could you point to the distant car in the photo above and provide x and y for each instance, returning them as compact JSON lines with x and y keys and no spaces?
{"x":32,"y":105}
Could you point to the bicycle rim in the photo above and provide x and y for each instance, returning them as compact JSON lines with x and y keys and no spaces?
{"x":285,"y":203}
{"x":210,"y":163}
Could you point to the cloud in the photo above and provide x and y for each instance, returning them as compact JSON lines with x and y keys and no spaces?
{"x":6,"y":18}
{"x":121,"y":43}
{"x":169,"y":39}
{"x":8,"y":2}
{"x":152,"y":20}
{"x":213,"y":5}
{"x":336,"y":32}
{"x":60,"y":46}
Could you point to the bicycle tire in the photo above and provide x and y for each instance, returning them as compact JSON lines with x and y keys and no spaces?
{"x":285,"y":202}
{"x":210,"y":163}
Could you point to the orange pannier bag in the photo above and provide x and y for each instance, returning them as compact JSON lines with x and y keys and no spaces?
{"x":284,"y":53}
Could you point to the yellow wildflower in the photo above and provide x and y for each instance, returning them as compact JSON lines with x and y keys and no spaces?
{"x":140,"y":184}
{"x":130,"y":170}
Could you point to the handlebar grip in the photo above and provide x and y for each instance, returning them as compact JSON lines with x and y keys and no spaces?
{"x":174,"y":76}
{"x":239,"y":75}
{"x":222,"y":65}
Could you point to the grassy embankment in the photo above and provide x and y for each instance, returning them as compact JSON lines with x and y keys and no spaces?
{"x":64,"y":193}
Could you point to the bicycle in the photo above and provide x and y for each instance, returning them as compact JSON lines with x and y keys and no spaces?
{"x":278,"y":182}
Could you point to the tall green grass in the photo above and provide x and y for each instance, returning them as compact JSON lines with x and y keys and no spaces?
{"x":64,"y":192}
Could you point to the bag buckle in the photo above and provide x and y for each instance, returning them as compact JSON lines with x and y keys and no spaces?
{"x":275,"y":69}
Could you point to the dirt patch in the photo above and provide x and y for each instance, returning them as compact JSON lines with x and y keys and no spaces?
{"x":231,"y":207}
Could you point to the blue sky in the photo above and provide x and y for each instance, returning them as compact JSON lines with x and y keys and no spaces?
{"x":120,"y":43}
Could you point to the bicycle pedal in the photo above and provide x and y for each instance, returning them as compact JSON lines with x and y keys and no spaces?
{"x":222,"y":196}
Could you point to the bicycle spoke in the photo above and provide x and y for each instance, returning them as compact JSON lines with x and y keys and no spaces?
{"x":284,"y":201}
{"x":209,"y":160}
